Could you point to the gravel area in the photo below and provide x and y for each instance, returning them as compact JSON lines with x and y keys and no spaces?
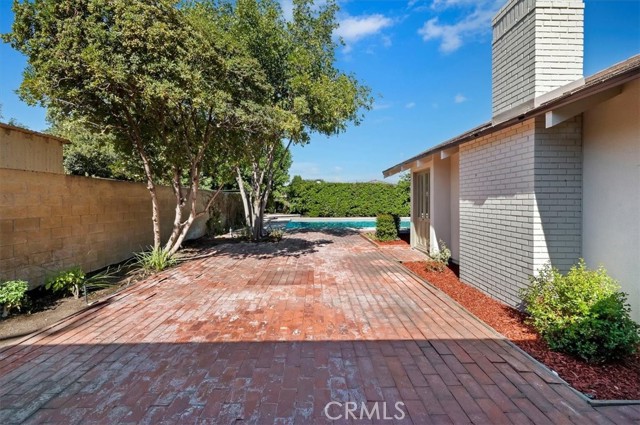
{"x":619,"y":381}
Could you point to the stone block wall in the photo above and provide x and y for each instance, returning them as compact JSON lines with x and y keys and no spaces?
{"x":50,"y":222}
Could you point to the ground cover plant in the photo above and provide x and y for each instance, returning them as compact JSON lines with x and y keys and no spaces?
{"x":66,"y":281}
{"x":12,"y":295}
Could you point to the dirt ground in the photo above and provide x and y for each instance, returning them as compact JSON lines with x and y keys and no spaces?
{"x":15,"y":327}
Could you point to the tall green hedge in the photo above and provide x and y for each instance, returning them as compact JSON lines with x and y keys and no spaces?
{"x":322,"y":199}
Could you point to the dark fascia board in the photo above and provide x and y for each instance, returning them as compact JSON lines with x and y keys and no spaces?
{"x":591,"y":87}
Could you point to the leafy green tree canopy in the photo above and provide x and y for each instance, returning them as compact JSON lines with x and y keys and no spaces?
{"x":165,"y":79}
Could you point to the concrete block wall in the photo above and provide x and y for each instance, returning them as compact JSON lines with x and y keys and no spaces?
{"x":558,"y":193}
{"x":496,"y":211}
{"x":537,"y":47}
{"x":50,"y":222}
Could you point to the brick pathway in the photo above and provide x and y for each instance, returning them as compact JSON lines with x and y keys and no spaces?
{"x":271,"y":333}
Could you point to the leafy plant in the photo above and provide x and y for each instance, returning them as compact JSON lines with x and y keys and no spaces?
{"x":387,"y":227}
{"x":439,"y":259}
{"x":12,"y":295}
{"x":245,"y":233}
{"x":316,"y":198}
{"x":276,"y":235}
{"x":103,"y":279}
{"x":581,"y":313}
{"x":67,"y":281}
{"x":155,"y":260}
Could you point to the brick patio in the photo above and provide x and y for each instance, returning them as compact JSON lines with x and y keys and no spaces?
{"x":270,"y":333}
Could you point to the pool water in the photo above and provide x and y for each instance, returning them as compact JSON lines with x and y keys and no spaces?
{"x":336,"y":224}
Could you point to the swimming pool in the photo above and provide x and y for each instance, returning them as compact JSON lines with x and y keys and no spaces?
{"x":333,"y":223}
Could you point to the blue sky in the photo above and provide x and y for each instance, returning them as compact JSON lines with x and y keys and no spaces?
{"x":428,"y":63}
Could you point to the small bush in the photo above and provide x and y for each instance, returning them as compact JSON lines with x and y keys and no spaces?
{"x":245,"y":233}
{"x":387,"y":226}
{"x":581,"y":313}
{"x":68,"y":281}
{"x":155,"y":260}
{"x":606,"y":334}
{"x":276,"y":235}
{"x":440,"y":259}
{"x":12,"y":295}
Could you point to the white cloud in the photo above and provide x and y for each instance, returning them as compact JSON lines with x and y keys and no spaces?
{"x":354,"y":28}
{"x":460,"y":98}
{"x":380,"y":106}
{"x":410,"y":105}
{"x":453,"y":36}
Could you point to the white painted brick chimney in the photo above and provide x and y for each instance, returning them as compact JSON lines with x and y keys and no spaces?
{"x":537,"y":47}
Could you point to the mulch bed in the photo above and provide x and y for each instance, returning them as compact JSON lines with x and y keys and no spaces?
{"x":620,"y":381}
{"x":399,"y":242}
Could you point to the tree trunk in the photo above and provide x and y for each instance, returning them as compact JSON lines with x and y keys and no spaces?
{"x":155,"y":213}
{"x":155,"y":209}
{"x":177,"y":190}
{"x":256,"y":231}
{"x":245,"y":200}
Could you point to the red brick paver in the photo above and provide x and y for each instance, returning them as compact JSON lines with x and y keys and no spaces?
{"x":271,"y":333}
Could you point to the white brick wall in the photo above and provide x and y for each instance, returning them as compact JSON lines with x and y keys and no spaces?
{"x":520,"y":205}
{"x":558,"y":193}
{"x":496,"y":211}
{"x":537,"y":47}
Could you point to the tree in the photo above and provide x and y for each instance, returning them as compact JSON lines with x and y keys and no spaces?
{"x":169,"y":83}
{"x":308,"y":93}
{"x":93,"y":154}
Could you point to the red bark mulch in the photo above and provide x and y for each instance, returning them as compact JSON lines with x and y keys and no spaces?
{"x":620,"y":381}
{"x":372,"y":237}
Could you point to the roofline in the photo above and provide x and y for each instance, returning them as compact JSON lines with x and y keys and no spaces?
{"x":34,"y":133}
{"x":588,"y":89}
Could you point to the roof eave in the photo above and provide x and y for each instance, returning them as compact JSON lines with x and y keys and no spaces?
{"x":572,"y":96}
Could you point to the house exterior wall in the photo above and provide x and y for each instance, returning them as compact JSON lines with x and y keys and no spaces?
{"x":50,"y":222}
{"x":454,"y":208}
{"x":440,"y":203}
{"x":496,"y":211}
{"x":24,"y":150}
{"x":558,"y":193}
{"x":537,"y":47}
{"x":520,"y":205}
{"x":611,"y":190}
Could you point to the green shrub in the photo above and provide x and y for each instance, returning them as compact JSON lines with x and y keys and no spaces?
{"x":276,"y":235}
{"x":387,"y":227}
{"x":581,"y":313}
{"x":606,"y":334}
{"x":316,"y":198}
{"x":68,"y":281}
{"x":440,"y":259}
{"x":12,"y":295}
{"x":155,"y":260}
